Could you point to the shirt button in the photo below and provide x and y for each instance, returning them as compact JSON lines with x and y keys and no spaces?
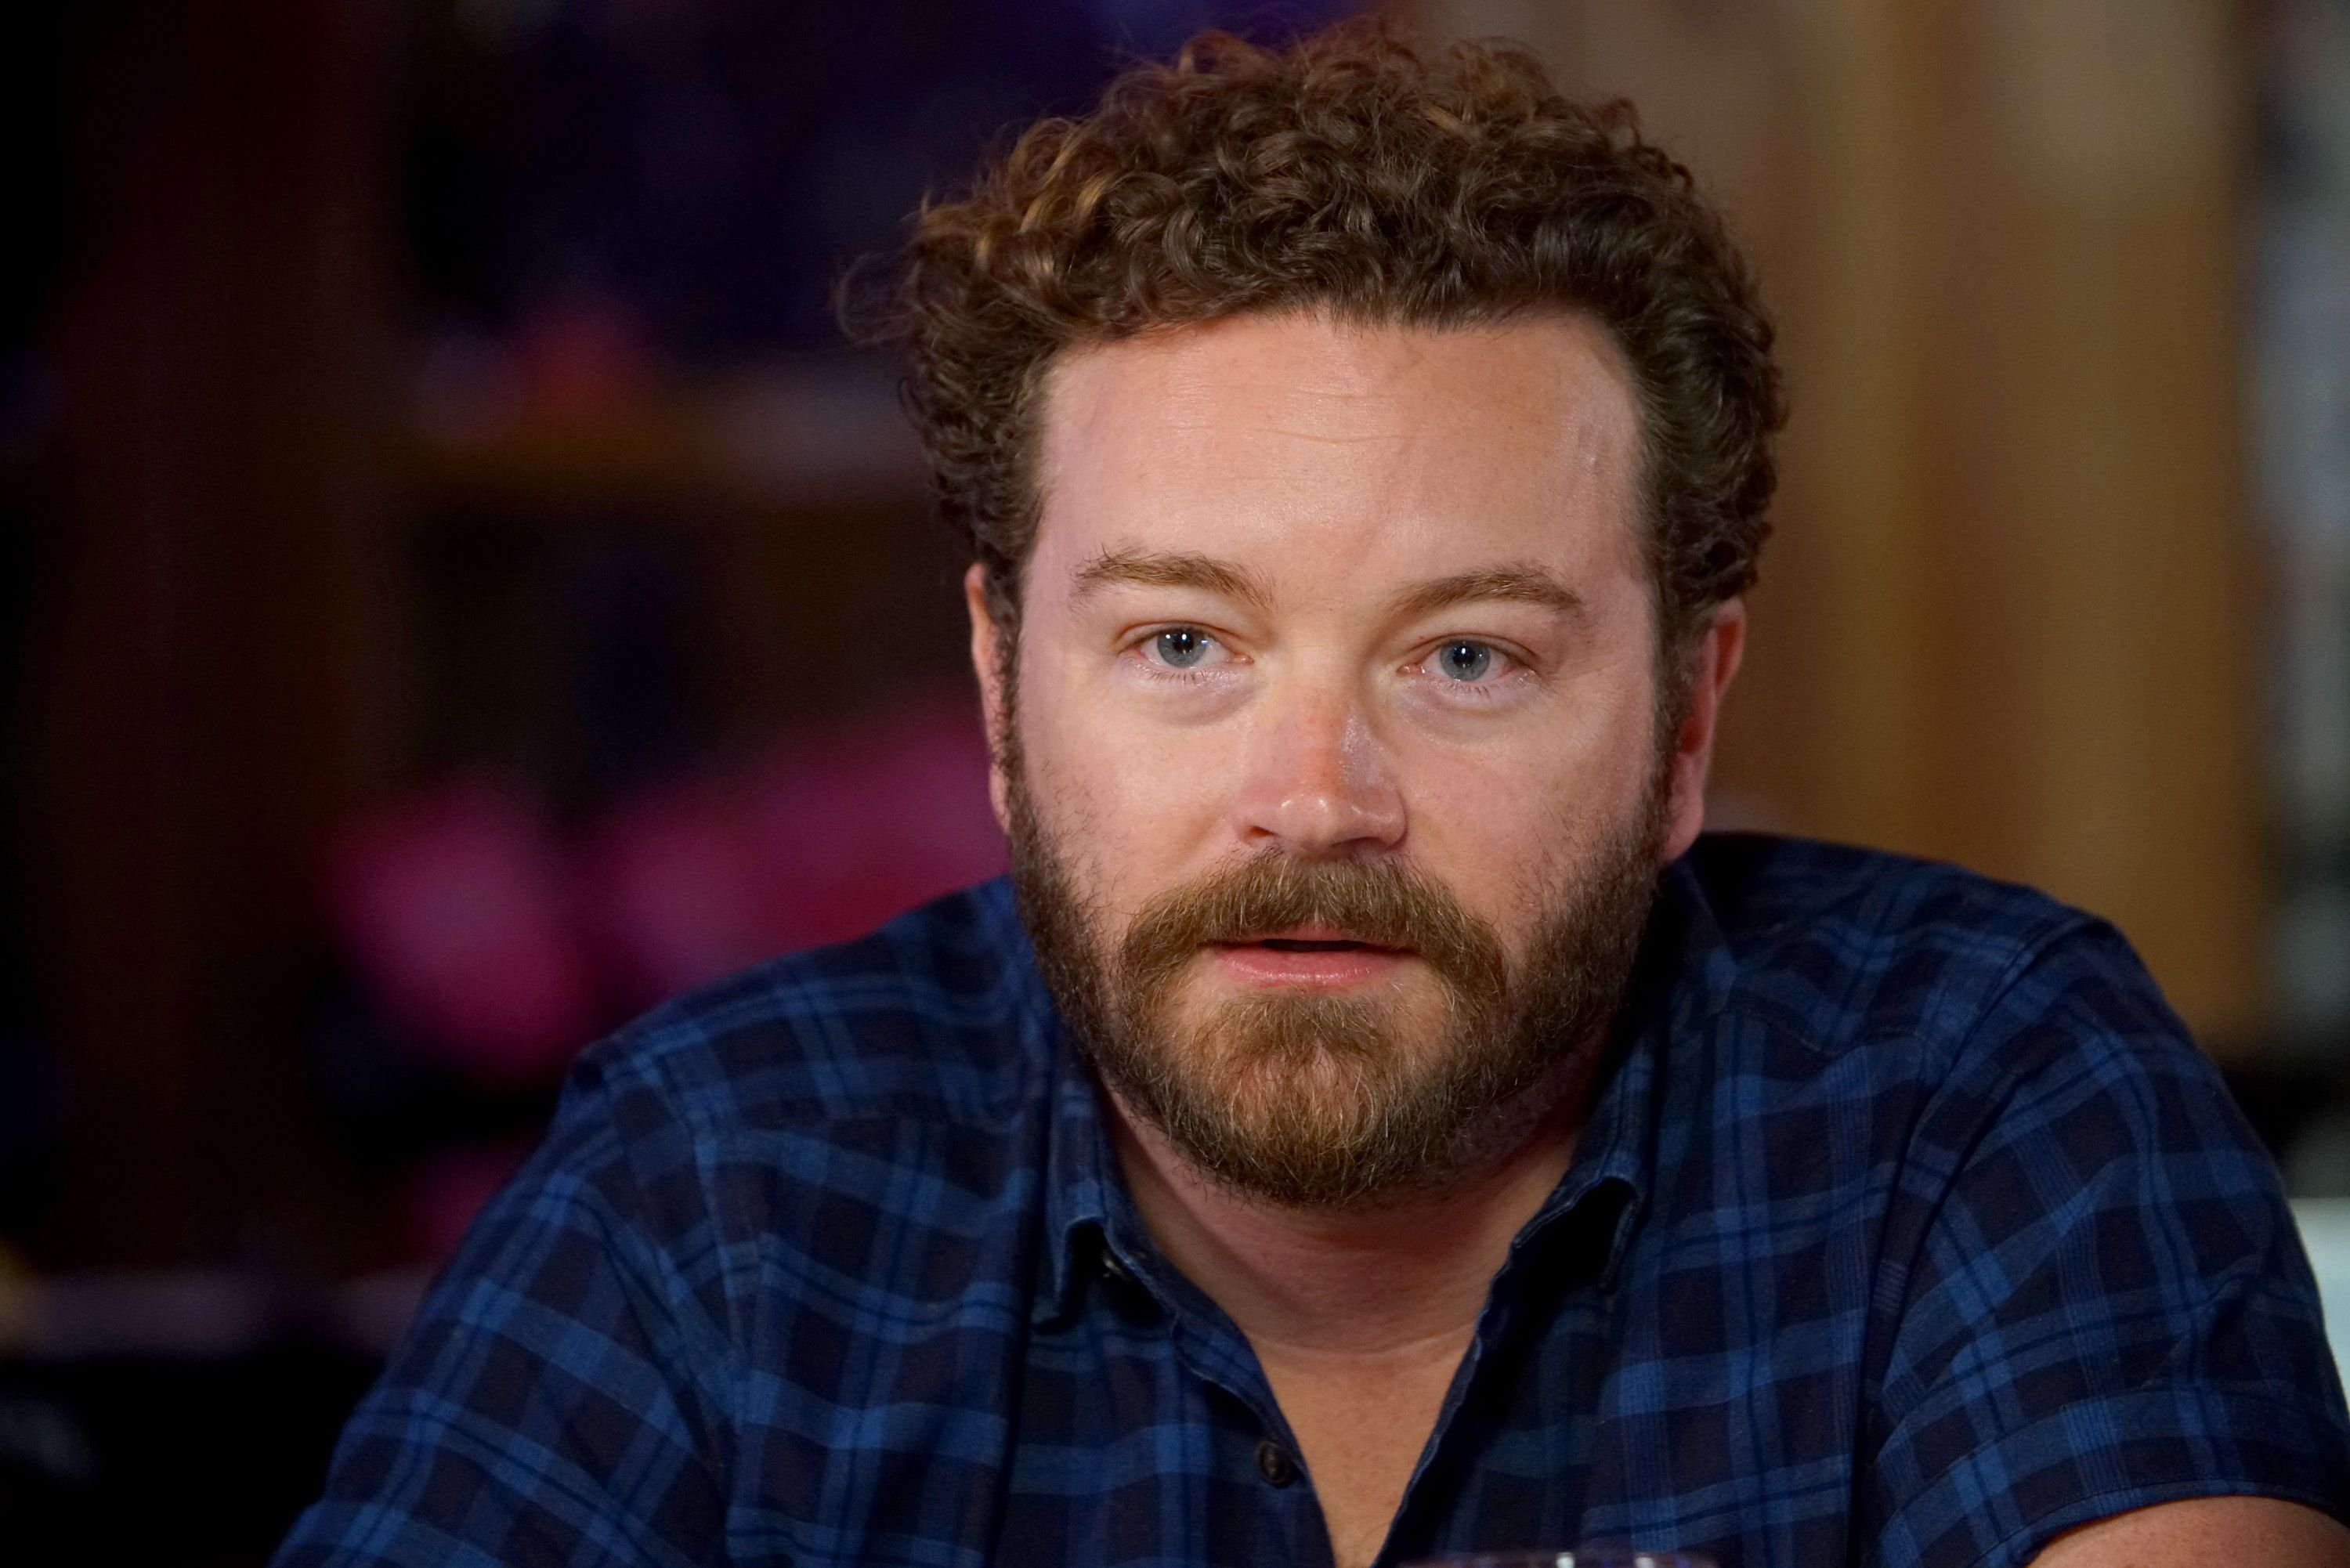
{"x":1272,"y":1462}
{"x":1116,"y":1270}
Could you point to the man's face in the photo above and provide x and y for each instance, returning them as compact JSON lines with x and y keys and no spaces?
{"x":1334,"y":781}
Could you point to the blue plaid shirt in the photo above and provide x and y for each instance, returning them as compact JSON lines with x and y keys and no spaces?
{"x":1909,"y":1228}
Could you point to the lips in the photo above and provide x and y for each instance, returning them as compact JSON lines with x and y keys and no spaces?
{"x":1310,"y":940}
{"x":1319,"y":956}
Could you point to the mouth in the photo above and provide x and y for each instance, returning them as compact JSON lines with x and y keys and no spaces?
{"x":1307,"y":955}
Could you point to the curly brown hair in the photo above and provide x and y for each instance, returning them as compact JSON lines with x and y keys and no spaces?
{"x":1358,"y":175}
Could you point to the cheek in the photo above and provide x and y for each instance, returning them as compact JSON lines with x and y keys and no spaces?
{"x":1485,"y":833}
{"x":1508,"y":826}
{"x":1135,"y":805}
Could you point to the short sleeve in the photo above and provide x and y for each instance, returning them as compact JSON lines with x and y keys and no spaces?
{"x":538,"y":1411}
{"x":2108,"y":1306}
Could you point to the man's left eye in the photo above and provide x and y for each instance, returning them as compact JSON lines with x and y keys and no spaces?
{"x":1464,"y":660}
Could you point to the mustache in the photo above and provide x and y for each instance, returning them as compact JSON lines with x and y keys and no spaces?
{"x":1381,"y":903}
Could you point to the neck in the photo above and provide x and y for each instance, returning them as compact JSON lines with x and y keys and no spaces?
{"x":1387,"y":1280}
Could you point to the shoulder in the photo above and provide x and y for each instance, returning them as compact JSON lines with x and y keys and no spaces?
{"x":933,"y":1017}
{"x":1842,"y":947}
{"x":739,"y":1141}
{"x":1880,"y":1024}
{"x":768,"y":1190}
{"x":897,"y":1079}
{"x":1918,"y":1017}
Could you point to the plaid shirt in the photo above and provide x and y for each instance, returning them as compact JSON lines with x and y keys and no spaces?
{"x":1909,"y":1228}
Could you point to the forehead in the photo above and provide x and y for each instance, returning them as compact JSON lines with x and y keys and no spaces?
{"x":1349,"y":449}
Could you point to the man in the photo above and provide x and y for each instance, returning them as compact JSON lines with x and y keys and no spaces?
{"x":1372,"y":1122}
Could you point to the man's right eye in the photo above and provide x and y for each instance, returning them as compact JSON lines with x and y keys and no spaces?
{"x":1181,"y":647}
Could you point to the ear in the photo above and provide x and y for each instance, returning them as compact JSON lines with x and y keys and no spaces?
{"x":1715,"y":661}
{"x":986,"y":662}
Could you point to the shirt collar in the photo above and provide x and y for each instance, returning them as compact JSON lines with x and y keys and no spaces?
{"x":1081,"y":1181}
{"x":1081,"y":1186}
{"x":1684,"y":975}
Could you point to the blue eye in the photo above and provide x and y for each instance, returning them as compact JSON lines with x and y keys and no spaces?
{"x":1464,"y":661}
{"x":1182,"y":646}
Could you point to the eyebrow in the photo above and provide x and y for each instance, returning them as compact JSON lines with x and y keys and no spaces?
{"x":1523,"y":584}
{"x":1154,"y":569}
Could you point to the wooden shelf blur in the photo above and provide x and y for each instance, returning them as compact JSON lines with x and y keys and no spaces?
{"x":801,"y":486}
{"x":799,"y":437}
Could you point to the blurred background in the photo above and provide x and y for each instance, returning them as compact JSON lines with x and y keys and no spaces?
{"x":456,"y":589}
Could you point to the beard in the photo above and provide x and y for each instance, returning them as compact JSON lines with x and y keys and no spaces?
{"x":1331,"y":1102}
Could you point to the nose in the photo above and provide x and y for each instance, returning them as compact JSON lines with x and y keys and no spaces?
{"x":1319,"y":782}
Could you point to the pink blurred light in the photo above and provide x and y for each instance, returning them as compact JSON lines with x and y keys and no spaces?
{"x":828,"y":840}
{"x":670,"y":892}
{"x":852,"y":829}
{"x":456,"y":907}
{"x":498,"y":953}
